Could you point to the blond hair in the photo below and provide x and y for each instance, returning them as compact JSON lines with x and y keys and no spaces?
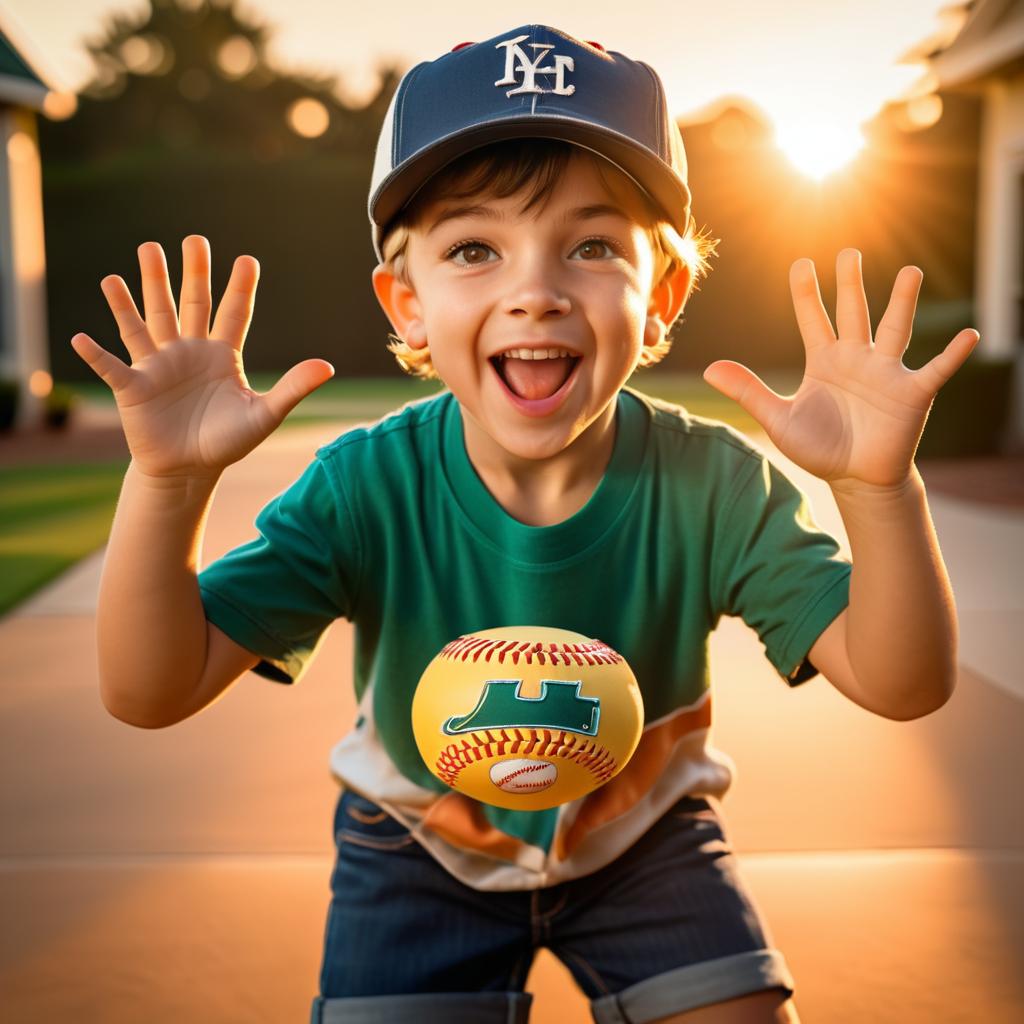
{"x":508,"y":168}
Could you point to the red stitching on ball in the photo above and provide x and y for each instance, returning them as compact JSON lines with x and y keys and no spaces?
{"x":536,"y":742}
{"x":473,"y":647}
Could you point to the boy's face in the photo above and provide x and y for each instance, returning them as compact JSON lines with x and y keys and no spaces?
{"x":489,"y":280}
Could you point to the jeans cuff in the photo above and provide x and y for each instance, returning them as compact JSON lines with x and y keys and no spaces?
{"x":687,"y":988}
{"x":428,"y":1008}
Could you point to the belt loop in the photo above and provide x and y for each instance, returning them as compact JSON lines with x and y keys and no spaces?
{"x":608,"y":1010}
{"x":519,"y":1007}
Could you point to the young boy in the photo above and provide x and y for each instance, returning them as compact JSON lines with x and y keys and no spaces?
{"x":531,"y":213}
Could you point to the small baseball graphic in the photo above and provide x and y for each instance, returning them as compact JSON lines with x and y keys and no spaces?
{"x":527,"y":717}
{"x":517,"y":775}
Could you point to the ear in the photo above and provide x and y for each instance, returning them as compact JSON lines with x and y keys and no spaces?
{"x":667,"y":300}
{"x":399,"y":302}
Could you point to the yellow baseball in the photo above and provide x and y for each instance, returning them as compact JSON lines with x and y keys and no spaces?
{"x":527,"y":717}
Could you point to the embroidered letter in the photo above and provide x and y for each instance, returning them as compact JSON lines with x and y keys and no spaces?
{"x":531,"y":68}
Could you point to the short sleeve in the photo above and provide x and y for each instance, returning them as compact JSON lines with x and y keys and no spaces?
{"x":777,"y":569}
{"x":277,"y":594}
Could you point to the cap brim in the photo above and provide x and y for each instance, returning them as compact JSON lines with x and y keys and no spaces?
{"x":667,"y":190}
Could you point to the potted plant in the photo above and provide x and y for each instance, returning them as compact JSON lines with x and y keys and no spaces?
{"x":57,"y":406}
{"x":9,"y":392}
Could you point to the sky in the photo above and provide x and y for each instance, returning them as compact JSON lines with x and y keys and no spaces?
{"x":817,"y":68}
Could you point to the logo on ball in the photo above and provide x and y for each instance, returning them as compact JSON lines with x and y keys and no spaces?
{"x":503,"y":706}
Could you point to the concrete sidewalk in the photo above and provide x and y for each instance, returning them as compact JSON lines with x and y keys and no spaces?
{"x":183,"y":874}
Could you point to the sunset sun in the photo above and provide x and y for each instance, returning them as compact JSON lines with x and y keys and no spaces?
{"x":818,"y":149}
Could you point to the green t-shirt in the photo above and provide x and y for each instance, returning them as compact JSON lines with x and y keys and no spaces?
{"x":392,"y":528}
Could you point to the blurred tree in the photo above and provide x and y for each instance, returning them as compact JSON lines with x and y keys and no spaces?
{"x":191,"y":76}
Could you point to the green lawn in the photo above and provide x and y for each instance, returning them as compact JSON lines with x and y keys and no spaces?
{"x":50,"y":517}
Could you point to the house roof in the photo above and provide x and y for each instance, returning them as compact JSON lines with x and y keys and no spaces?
{"x":990,"y":43}
{"x":20,"y":84}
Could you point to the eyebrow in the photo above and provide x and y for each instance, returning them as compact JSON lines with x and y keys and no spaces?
{"x":489,"y":213}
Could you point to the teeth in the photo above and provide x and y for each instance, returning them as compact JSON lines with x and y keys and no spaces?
{"x":539,"y":353}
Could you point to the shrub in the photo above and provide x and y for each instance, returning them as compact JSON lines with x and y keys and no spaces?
{"x":9,"y":391}
{"x":970,"y":413}
{"x":57,"y":406}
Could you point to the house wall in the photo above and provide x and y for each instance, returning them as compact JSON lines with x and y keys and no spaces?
{"x":7,"y":295}
{"x":1000,"y":252}
{"x":999,"y":236}
{"x":23,"y":330}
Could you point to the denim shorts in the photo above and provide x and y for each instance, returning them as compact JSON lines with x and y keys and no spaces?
{"x":667,"y":927}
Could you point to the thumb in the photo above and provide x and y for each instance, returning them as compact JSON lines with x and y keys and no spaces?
{"x":296,"y":384}
{"x":744,"y":386}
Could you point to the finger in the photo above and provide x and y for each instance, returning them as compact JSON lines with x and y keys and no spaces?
{"x":853,"y":320}
{"x":744,"y":386}
{"x":897,"y":323}
{"x":195,"y":305}
{"x":107,"y":367}
{"x":132,"y":328}
{"x":295,"y":385}
{"x":815,"y":326}
{"x":936,"y":372}
{"x":234,"y":313}
{"x":161,"y":316}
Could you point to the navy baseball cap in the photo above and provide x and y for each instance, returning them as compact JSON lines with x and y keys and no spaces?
{"x":532,"y":82}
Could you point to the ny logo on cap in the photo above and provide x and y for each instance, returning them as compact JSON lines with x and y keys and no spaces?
{"x":517,"y":61}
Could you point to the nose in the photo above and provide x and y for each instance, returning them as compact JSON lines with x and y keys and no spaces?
{"x":536,"y":294}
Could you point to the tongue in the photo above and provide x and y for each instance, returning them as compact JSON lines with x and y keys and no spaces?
{"x":536,"y":378}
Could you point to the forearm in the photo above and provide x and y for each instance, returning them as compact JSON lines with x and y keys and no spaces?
{"x":151,"y":628}
{"x":901,"y":637}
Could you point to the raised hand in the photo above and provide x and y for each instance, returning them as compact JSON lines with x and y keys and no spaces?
{"x":859,"y":412}
{"x":186,"y":407}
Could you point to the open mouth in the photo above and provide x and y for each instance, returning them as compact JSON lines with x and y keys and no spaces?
{"x":534,"y":374}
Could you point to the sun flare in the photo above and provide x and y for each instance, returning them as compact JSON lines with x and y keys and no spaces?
{"x":818,"y":150}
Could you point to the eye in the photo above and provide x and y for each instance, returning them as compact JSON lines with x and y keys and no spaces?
{"x":470,"y":254}
{"x":595,"y":249}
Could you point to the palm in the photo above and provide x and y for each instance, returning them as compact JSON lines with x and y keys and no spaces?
{"x":189,"y":405}
{"x":853,"y":416}
{"x":859,"y":412}
{"x":185,"y":404}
